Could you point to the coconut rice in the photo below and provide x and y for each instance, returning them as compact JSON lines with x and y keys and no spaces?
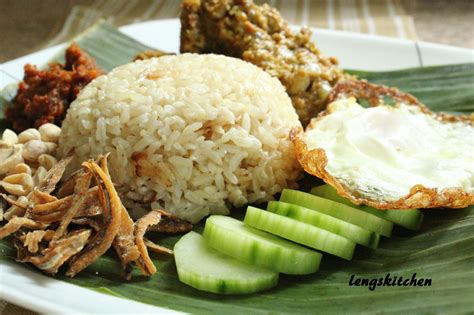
{"x":193,"y":134}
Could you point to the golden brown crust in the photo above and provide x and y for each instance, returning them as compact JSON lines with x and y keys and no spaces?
{"x":314,"y":161}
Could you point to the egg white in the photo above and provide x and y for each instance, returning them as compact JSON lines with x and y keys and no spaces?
{"x":383,"y":151}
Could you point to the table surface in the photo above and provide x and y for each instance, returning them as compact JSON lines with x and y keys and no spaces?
{"x":27,"y":24}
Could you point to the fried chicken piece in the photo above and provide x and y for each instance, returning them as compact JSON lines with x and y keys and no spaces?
{"x":44,"y":95}
{"x":259,"y":35}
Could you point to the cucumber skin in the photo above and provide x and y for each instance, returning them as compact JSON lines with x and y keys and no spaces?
{"x":334,"y":225}
{"x":408,"y":218}
{"x":200,"y":281}
{"x":341,"y":211}
{"x":293,"y":230}
{"x":222,"y":286}
{"x":374,"y":242}
{"x":254,"y":252}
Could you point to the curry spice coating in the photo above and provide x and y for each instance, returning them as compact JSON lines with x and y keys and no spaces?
{"x":259,"y":35}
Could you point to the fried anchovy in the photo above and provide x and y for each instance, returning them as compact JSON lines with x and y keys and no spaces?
{"x":144,"y":262}
{"x":63,"y":204}
{"x":32,"y":239}
{"x":92,"y":222}
{"x":60,"y":251}
{"x":171,"y":224}
{"x":124,"y":243}
{"x":67,"y":186}
{"x":157,"y":248}
{"x":38,"y":197}
{"x":48,"y":184}
{"x":112,"y":217}
{"x":17,"y":223}
{"x":86,"y":211}
{"x":78,"y":201}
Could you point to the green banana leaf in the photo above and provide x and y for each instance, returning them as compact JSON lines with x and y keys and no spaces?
{"x":445,"y":88}
{"x":442,"y":250}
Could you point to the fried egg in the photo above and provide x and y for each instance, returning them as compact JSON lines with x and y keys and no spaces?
{"x":400,"y":156}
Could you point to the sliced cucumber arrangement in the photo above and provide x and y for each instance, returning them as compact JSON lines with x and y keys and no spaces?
{"x":341,"y":211}
{"x":235,"y":257}
{"x":329,"y":192}
{"x":300,"y":232}
{"x":206,"y":269}
{"x":408,"y":218}
{"x":348,"y":230}
{"x":232,"y":237}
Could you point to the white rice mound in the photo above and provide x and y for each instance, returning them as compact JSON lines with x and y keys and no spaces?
{"x":192,"y":134}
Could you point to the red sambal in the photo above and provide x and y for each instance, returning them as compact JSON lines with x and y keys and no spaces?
{"x":45,"y":95}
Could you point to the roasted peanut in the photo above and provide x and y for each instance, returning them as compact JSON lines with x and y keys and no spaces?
{"x":16,"y":157}
{"x":5,"y":152}
{"x":23,"y":201}
{"x":33,"y":149}
{"x":40,"y":174}
{"x":28,"y":135}
{"x":51,"y":147}
{"x":17,"y":184}
{"x":9,"y":137}
{"x":47,"y":161}
{"x":21,"y":168}
{"x":50,"y":133}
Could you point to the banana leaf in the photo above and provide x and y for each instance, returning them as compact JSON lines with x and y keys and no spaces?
{"x":442,"y":250}
{"x":441,"y":88}
{"x":107,"y":45}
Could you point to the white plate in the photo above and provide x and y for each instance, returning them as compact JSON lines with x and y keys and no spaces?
{"x":35,"y":291}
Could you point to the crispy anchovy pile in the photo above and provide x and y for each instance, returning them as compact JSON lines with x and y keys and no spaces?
{"x":80,"y":220}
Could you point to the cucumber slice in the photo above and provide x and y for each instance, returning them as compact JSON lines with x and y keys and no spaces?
{"x":206,"y":269}
{"x":329,"y":192}
{"x":300,"y":232}
{"x":374,"y":242}
{"x":232,"y":237}
{"x":348,"y":230}
{"x":408,"y":218}
{"x":341,"y":211}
